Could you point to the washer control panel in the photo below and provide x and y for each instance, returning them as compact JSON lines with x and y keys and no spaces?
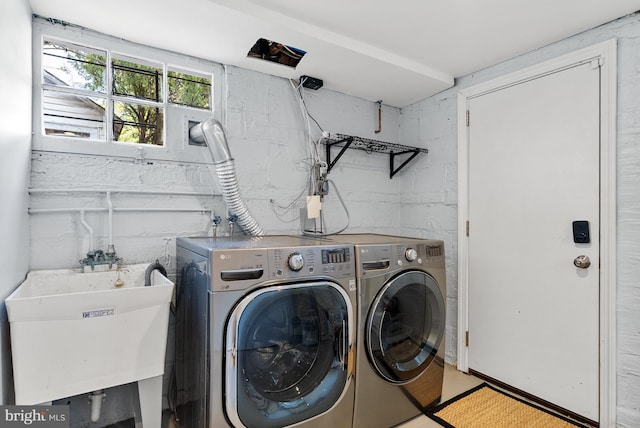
{"x":239,"y":269}
{"x":336,"y":255}
{"x":305,"y":261}
{"x":295,"y":261}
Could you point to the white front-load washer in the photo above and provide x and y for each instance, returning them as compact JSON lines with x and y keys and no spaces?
{"x":401,"y":323}
{"x":265,"y":332}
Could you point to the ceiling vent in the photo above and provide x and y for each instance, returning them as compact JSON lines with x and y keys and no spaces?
{"x":269,"y":50}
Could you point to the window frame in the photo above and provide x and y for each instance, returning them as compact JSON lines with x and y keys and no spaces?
{"x":176,"y":119}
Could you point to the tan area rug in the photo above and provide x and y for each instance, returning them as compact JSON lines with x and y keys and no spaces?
{"x":485,"y":406}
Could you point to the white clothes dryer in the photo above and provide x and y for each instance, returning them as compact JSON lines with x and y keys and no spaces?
{"x":401,"y":323}
{"x":265,"y":332}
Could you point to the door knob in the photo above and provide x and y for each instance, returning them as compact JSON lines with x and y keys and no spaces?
{"x":582,"y":262}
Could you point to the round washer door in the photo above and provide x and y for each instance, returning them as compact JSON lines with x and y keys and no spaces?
{"x":287,"y":353}
{"x":405,"y":326}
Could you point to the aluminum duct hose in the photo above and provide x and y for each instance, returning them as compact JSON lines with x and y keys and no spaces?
{"x":229,"y":183}
{"x":211,"y":132}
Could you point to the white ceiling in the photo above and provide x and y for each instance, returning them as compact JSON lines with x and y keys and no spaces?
{"x":397,"y":51}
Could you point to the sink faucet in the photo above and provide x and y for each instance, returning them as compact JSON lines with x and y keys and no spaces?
{"x":100,"y":257}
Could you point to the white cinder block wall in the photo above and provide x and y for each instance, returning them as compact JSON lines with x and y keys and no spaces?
{"x":15,"y":151}
{"x":265,"y":129}
{"x":266,"y":135}
{"x":429,"y":207}
{"x":434,"y":205}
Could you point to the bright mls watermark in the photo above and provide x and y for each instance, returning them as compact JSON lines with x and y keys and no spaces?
{"x":34,"y":416}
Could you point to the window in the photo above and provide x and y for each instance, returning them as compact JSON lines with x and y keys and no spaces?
{"x":189,"y":90}
{"x":106,"y":96}
{"x":67,"y":110}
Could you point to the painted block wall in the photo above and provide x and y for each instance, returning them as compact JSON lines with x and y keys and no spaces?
{"x":266,"y":135}
{"x":15,"y":151}
{"x":433,"y":121}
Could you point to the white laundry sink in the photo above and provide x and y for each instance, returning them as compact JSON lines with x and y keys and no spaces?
{"x":74,"y":332}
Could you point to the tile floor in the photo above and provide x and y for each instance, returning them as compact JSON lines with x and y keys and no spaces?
{"x":455,"y":382}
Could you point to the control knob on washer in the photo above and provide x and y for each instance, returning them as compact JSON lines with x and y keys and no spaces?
{"x":296,"y":261}
{"x":410,"y":254}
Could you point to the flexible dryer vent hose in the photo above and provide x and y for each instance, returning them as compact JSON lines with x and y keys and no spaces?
{"x":211,"y":132}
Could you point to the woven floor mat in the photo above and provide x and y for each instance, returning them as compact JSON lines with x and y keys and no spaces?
{"x":486,"y":406}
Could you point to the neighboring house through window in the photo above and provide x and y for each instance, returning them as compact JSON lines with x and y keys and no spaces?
{"x":70,"y":115}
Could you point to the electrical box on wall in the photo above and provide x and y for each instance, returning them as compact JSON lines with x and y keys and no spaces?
{"x":311,"y":82}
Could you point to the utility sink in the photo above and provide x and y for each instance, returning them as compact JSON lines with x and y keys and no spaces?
{"x":74,"y":332}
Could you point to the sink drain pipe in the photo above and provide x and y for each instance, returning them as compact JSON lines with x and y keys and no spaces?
{"x":95,"y":399}
{"x":211,"y":132}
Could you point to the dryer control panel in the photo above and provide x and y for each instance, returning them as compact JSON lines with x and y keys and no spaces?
{"x":393,"y":256}
{"x":418,"y":254}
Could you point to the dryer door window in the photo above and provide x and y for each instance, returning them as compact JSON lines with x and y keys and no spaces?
{"x":405,"y":326}
{"x":287,"y":354}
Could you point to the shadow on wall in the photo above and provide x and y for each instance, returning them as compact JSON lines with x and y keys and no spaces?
{"x":8,"y":395}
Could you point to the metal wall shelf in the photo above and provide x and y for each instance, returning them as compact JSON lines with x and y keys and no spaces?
{"x":344,"y":142}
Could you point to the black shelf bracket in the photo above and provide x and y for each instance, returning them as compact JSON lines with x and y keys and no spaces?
{"x":392,"y":156}
{"x":345,"y":142}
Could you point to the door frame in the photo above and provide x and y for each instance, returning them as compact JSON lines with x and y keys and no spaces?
{"x":603,"y":54}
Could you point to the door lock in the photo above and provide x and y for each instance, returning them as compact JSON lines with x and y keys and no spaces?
{"x":582,"y":262}
{"x":581,"y":232}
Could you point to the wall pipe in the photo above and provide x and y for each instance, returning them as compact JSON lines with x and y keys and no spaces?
{"x":89,"y":229}
{"x":379,"y":128}
{"x":140,"y":209}
{"x":110,"y":205}
{"x":141,"y":192}
{"x":110,"y":209}
{"x":95,"y":398}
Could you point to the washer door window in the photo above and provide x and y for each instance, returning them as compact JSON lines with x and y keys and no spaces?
{"x":286,"y":356}
{"x":405,"y":326}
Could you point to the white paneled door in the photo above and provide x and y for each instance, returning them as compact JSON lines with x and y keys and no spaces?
{"x":533,"y":299}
